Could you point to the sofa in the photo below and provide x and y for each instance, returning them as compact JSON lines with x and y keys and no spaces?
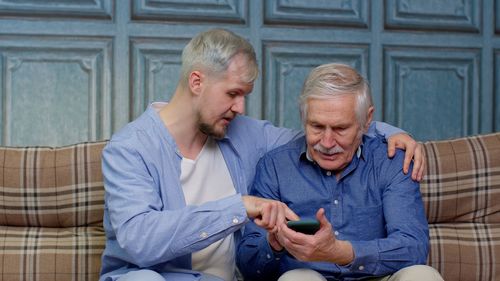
{"x":52,"y":202}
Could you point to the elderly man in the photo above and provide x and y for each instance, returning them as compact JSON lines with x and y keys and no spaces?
{"x":176,"y":178}
{"x":372,"y":221}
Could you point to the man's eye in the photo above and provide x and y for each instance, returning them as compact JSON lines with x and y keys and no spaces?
{"x":316,"y":126}
{"x":342,"y":131}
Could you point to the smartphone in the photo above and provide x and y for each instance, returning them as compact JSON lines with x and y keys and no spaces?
{"x":309,"y":226}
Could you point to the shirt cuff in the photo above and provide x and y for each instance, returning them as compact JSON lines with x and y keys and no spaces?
{"x":269,"y":255}
{"x":237,"y":213}
{"x":366,"y":257}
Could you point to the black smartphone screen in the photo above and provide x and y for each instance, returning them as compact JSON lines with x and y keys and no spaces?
{"x":304,"y":226}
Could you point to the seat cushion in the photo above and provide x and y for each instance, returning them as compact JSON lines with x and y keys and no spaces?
{"x":465,"y":251}
{"x":44,"y":253}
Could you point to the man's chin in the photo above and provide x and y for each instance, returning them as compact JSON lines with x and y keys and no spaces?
{"x":212,"y":131}
{"x":329,"y":166}
{"x":330,"y":163}
{"x":218,"y":135}
{"x":215,"y":133}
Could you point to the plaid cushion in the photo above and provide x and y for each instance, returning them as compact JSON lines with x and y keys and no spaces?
{"x":465,"y":251}
{"x":51,"y":254}
{"x":51,"y":187}
{"x":461,"y":193}
{"x":52,"y":202}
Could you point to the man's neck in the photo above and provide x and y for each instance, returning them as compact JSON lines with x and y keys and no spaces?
{"x":181,"y":121}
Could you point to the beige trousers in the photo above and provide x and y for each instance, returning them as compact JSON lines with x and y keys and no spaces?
{"x":411,"y":273}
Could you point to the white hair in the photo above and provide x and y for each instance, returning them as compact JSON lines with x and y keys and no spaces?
{"x":333,"y":79}
{"x":213,"y":50}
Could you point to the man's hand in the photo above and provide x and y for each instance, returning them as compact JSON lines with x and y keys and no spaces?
{"x":267,"y":213}
{"x":273,"y":242}
{"x":413,"y":150}
{"x":322,"y":246}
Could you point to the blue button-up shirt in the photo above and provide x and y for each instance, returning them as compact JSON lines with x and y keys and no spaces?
{"x":373,"y":205}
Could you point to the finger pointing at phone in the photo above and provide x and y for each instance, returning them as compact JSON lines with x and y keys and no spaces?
{"x":267,"y":213}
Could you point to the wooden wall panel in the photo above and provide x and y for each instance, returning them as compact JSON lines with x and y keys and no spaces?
{"x":497,"y":16}
{"x":334,"y":13}
{"x":496,"y":97}
{"x":442,"y":83}
{"x":229,"y":11}
{"x":459,"y":15}
{"x":52,"y":86}
{"x":50,"y":9}
{"x":155,"y":71}
{"x":99,"y":63}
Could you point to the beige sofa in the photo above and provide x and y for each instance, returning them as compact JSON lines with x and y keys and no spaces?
{"x":52,"y":201}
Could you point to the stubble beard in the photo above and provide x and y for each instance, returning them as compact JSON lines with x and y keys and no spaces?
{"x":210,"y":130}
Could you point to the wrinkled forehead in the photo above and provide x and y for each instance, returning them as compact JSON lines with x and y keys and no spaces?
{"x":331,"y":107}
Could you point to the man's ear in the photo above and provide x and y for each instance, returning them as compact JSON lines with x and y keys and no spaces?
{"x":195,"y":82}
{"x":369,"y":117}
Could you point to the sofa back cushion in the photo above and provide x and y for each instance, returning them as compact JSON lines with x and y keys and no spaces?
{"x":462,"y":182}
{"x":461,"y":193}
{"x":51,"y":187}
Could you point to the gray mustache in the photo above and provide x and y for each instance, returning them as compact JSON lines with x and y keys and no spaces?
{"x":334,"y":150}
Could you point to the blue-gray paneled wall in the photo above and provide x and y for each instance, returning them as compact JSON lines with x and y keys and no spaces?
{"x":74,"y":71}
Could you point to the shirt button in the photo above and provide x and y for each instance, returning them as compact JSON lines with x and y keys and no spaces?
{"x":336,"y":202}
{"x":328,"y":173}
{"x":268,"y":256}
{"x":235,"y":221}
{"x":258,"y":271}
{"x":361,"y":267}
{"x":203,"y":234}
{"x":336,"y":233}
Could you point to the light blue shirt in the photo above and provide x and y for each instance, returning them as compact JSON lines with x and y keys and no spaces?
{"x":146,"y":220}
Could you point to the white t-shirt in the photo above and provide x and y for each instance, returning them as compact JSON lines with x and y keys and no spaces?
{"x":204,"y":179}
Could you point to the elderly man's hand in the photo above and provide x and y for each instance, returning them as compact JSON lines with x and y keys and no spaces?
{"x":413,"y":150}
{"x":322,"y":246}
{"x":267,"y":213}
{"x":273,"y":242}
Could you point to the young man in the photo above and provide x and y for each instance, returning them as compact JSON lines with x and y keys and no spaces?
{"x":372,"y":220}
{"x":176,"y":178}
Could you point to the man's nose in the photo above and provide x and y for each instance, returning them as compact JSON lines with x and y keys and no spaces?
{"x":328,"y":139}
{"x":239,"y":105}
